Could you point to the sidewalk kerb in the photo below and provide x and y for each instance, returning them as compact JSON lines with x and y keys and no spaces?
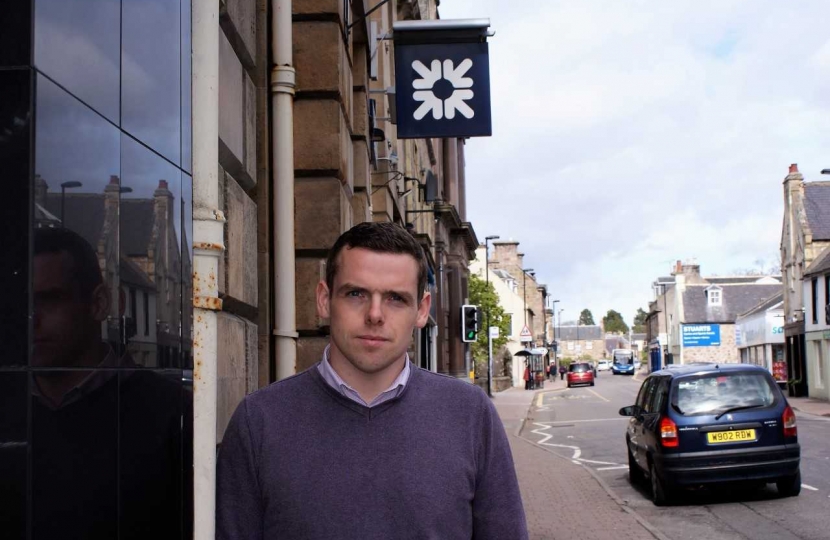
{"x":654,"y":531}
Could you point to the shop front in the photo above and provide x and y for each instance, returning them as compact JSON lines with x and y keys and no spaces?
{"x":760,"y":338}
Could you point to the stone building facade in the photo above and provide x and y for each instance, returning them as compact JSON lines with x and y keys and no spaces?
{"x":805,"y":233}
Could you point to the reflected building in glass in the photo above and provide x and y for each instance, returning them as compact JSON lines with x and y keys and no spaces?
{"x":96,"y":369}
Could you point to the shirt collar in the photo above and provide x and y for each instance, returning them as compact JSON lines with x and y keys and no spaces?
{"x":335,"y":381}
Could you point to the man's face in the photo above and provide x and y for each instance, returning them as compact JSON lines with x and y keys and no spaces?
{"x":373,"y":308}
{"x":64,"y":322}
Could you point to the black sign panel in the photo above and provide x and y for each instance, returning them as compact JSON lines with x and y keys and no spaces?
{"x":442,"y":90}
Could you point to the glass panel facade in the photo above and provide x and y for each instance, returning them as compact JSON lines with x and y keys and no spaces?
{"x":95,"y":373}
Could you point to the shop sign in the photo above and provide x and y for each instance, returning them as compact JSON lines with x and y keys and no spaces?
{"x":701,"y":335}
{"x":442,"y":79}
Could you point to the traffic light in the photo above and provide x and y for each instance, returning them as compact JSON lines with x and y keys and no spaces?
{"x":469,"y":323}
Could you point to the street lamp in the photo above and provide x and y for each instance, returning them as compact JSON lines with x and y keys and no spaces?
{"x":525,"y":271}
{"x":553,"y":309}
{"x":489,"y":339}
{"x":64,"y":186}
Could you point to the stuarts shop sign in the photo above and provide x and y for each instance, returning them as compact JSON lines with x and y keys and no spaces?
{"x":701,"y":335}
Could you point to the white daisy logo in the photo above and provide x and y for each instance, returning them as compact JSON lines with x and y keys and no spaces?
{"x":425,"y":86}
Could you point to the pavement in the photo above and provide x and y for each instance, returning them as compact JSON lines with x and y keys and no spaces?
{"x":816,"y":407}
{"x":563,"y":499}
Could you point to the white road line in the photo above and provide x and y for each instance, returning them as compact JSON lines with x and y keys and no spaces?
{"x":585,"y":421}
{"x":811,"y":488}
{"x":612,"y":468}
{"x":597,"y":462}
{"x":548,"y":436}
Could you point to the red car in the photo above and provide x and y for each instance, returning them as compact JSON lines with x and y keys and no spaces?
{"x":580,"y":373}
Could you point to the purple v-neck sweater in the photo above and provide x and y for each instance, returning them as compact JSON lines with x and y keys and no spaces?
{"x":300,"y":461}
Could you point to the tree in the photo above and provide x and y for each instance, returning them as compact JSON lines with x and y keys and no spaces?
{"x":586,"y":318}
{"x":640,"y":321}
{"x":484,"y":295}
{"x":614,"y":323}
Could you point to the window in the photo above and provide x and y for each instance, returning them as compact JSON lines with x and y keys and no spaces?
{"x":717,"y":392}
{"x":508,"y":317}
{"x":714,"y":297}
{"x":814,"y":302}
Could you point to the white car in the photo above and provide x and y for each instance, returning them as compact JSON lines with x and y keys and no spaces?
{"x":603,"y":365}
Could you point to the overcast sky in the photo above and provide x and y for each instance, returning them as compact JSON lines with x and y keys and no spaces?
{"x":633,"y":134}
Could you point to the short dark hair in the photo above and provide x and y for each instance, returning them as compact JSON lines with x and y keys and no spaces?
{"x":85,"y":270}
{"x":381,"y":237}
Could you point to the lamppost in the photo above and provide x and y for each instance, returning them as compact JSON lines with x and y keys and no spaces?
{"x":525,"y":272}
{"x":64,"y":186}
{"x":489,"y":339}
{"x":556,"y":350}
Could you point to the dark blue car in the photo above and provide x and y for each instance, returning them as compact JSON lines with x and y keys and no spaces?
{"x":702,"y":424}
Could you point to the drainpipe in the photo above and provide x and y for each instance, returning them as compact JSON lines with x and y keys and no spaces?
{"x":208,"y":246}
{"x":282,"y":156}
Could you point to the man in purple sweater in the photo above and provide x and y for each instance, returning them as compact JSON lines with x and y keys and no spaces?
{"x":364,"y":445}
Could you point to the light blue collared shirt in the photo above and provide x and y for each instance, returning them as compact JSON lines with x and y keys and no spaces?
{"x":335,"y":381}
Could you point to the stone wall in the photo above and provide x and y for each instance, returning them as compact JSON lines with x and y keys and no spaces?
{"x":242,"y":167}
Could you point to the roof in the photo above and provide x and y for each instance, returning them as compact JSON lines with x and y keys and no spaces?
{"x":84,"y":214}
{"x":735,"y":280}
{"x":735,"y":299}
{"x":585,"y":333}
{"x":769,"y":303}
{"x":817,"y":208}
{"x":638,"y":337}
{"x":504,"y":274}
{"x":819,"y":266}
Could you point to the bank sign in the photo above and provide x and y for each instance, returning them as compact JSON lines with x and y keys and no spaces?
{"x":442,"y":79}
{"x":701,"y":335}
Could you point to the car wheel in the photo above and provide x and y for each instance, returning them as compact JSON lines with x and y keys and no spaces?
{"x":635,"y":473}
{"x":659,"y":494}
{"x":569,"y":385}
{"x":592,"y":383}
{"x":789,"y":486}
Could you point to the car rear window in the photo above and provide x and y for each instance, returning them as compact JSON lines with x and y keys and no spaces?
{"x":714,"y":393}
{"x":578,"y":368}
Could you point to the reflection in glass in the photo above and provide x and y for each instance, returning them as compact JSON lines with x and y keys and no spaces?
{"x":152,"y":457}
{"x":151,"y":75}
{"x":77,"y":44}
{"x":76,"y":188}
{"x":16,"y":33}
{"x":74,"y":456}
{"x":14,"y":446}
{"x":186,"y":213}
{"x":15,"y":131}
{"x":151,"y":252}
{"x":187,"y":135}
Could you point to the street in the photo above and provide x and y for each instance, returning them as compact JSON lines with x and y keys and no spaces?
{"x":582,"y":425}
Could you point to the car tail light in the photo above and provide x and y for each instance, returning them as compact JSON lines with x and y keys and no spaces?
{"x":668,"y":433}
{"x":788,"y":419}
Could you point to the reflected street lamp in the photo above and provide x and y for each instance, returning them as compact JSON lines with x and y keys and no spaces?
{"x":64,"y":186}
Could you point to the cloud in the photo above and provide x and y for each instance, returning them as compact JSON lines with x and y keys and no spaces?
{"x":632,"y":134}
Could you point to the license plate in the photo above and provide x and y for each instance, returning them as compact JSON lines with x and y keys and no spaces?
{"x":737,"y":435}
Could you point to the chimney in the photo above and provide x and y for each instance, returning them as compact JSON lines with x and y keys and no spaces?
{"x":678,"y":268}
{"x":691,"y":271}
{"x":794,"y":179}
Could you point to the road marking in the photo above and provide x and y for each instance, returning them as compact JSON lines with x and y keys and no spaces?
{"x":597,"y":462}
{"x":548,"y":436}
{"x":599,"y":396}
{"x":811,"y":488}
{"x":585,"y":421}
{"x":612,"y":468}
{"x":539,"y":400}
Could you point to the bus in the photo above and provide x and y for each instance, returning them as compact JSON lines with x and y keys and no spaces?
{"x":622,"y":362}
